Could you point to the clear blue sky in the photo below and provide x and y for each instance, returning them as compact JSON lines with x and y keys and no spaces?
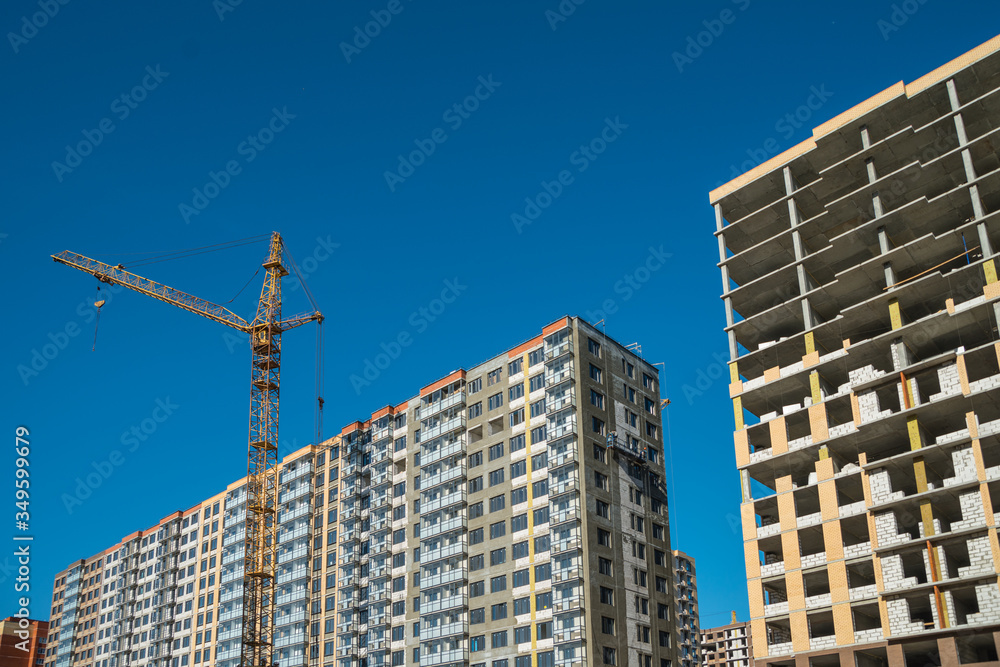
{"x":382,"y":247}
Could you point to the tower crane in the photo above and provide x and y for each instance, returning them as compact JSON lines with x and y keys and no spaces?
{"x":260,"y":555}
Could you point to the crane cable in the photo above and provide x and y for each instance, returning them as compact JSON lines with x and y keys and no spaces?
{"x":180,"y":254}
{"x":319,"y":342}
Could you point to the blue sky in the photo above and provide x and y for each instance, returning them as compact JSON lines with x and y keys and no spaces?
{"x":160,"y":126}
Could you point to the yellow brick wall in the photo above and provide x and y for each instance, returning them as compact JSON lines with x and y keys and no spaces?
{"x":833,"y":540}
{"x":749,"y":519}
{"x":819,"y":426}
{"x":800,"y":631}
{"x":751,"y":554}
{"x":828,"y":500}
{"x":790,"y":549}
{"x":838,"y":582}
{"x":742,"y":442}
{"x":796,"y":590}
{"x":779,"y":435}
{"x":843,"y":623}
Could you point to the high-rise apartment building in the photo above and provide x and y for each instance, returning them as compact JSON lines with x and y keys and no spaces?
{"x":510,"y":515}
{"x":727,"y":645}
{"x":22,"y":642}
{"x":861,"y":297}
{"x":686,"y":596}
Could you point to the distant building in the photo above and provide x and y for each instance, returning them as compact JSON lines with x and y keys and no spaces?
{"x":22,"y":642}
{"x":686,"y":599}
{"x":727,"y":646}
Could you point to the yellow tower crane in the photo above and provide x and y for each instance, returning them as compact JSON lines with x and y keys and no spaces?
{"x":260,"y":555}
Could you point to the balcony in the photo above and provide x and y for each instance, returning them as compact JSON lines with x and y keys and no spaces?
{"x":567,"y":604}
{"x":430,"y":409}
{"x":293,"y":574}
{"x":440,"y":502}
{"x":567,"y":635}
{"x":560,"y":430}
{"x":555,"y":377}
{"x":443,"y":427}
{"x":565,"y":574}
{"x":454,"y":549}
{"x":567,"y":544}
{"x":566,"y":515}
{"x":556,"y":351}
{"x":383,"y":476}
{"x":450,"y":602}
{"x":443,"y":630}
{"x":291,"y":515}
{"x":564,"y":402}
{"x":301,"y":491}
{"x":443,"y":526}
{"x":299,"y":471}
{"x":456,"y":471}
{"x":441,"y":578}
{"x":429,"y":456}
{"x":559,"y":486}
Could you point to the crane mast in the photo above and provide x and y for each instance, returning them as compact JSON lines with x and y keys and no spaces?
{"x":260,"y":535}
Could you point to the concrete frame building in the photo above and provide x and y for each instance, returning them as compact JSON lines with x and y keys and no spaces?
{"x":727,"y":646}
{"x":511,"y":515}
{"x":22,"y":642}
{"x":861,"y":295}
{"x":686,"y":595}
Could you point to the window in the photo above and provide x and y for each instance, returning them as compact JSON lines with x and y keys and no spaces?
{"x":517,"y":443}
{"x":604,"y":566}
{"x":610,"y":656}
{"x":518,"y":469}
{"x":664,"y":638}
{"x":476,"y":484}
{"x":477,"y":616}
{"x":476,"y":562}
{"x":628,"y":392}
{"x":475,"y":410}
{"x":639,"y":550}
{"x":659,"y":557}
{"x":597,"y":399}
{"x":594,"y":347}
{"x":597,"y":425}
{"x":476,"y":536}
{"x":647,"y":381}
{"x":519,"y":495}
{"x":477,"y":589}
{"x":543,"y":601}
{"x":661,"y":584}
{"x":540,"y":488}
{"x":493,"y":377}
{"x":517,"y":417}
{"x":522,"y":635}
{"x":643,"y":633}
{"x":498,"y":584}
{"x":607,"y":625}
{"x":499,"y":639}
{"x":642,"y":605}
{"x":537,"y":408}
{"x":475,"y":385}
{"x":542,"y":543}
{"x":498,"y":611}
{"x":498,"y":529}
{"x":602,"y":509}
{"x":497,"y":503}
{"x":495,"y":401}
{"x":476,"y":510}
{"x":519,"y":522}
{"x":515,"y":392}
{"x":543,"y":572}
{"x":657,"y":531}
{"x":639,"y":577}
{"x":496,"y":477}
{"x":541,"y":515}
{"x":496,"y":451}
{"x":522,"y":606}
{"x":599,"y":454}
{"x":600,"y":481}
{"x":536,"y":357}
{"x":662,"y":611}
{"x":595,"y":373}
{"x":520,"y":578}
{"x":536,"y":383}
{"x":475,"y":459}
{"x":477,"y":643}
{"x":538,"y":433}
{"x":516,"y":366}
{"x":539,"y":461}
{"x":498,"y":556}
{"x":607,"y":596}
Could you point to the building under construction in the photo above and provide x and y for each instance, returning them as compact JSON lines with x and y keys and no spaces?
{"x":511,"y":515}
{"x":861,"y":296}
